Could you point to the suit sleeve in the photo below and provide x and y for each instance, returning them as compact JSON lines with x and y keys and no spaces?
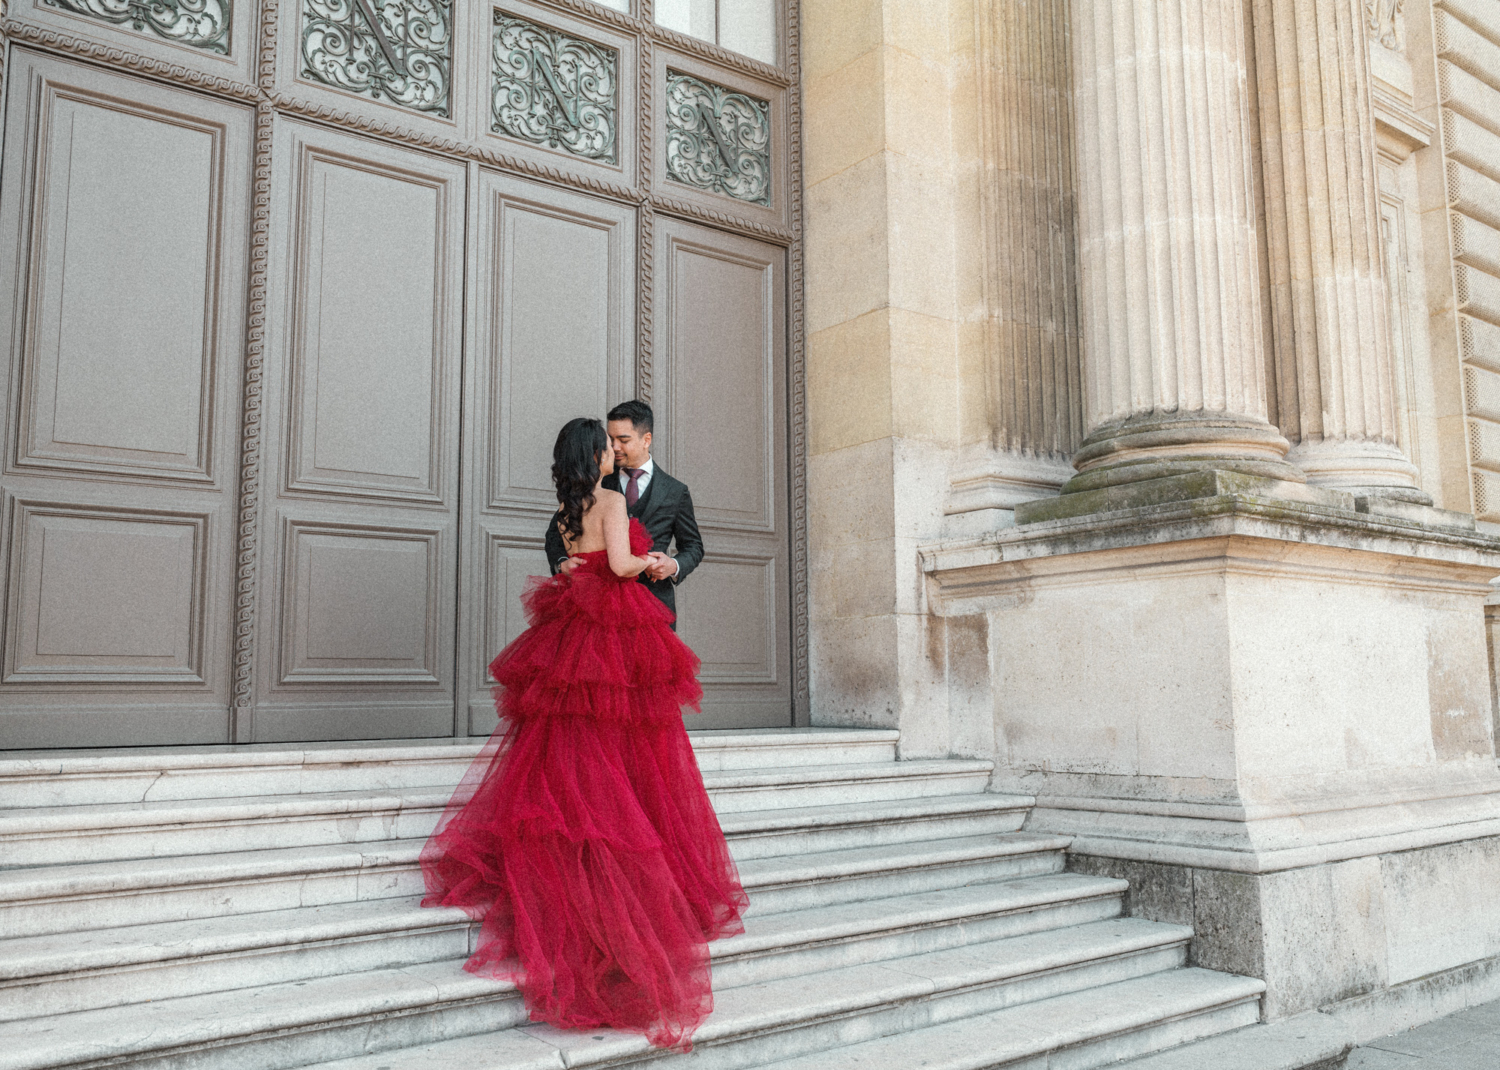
{"x":689,"y":541}
{"x":555,"y":551}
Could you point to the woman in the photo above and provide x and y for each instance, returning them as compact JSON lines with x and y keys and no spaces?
{"x":582,"y":836}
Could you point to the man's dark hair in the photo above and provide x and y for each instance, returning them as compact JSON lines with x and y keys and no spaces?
{"x":637,"y":412}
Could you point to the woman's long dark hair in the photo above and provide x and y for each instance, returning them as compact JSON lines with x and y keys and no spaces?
{"x":575,"y":470}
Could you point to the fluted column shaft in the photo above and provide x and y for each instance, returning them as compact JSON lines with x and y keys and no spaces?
{"x":1029,"y":207}
{"x":1174,"y":372}
{"x":1331,"y":335}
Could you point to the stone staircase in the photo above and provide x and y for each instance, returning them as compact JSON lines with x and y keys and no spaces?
{"x":255,"y":908}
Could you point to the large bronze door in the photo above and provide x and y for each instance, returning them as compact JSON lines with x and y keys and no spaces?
{"x":298,"y":297}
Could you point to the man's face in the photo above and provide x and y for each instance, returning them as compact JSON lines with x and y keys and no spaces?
{"x":631,"y":449}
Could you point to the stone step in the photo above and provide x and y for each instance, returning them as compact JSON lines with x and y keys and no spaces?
{"x":60,"y":834}
{"x":63,"y":898}
{"x":291,"y":1025}
{"x":161,"y":774}
{"x":1076,"y":1031}
{"x":814,"y":1016}
{"x":823,"y":878}
{"x":136,"y":964}
{"x":1309,"y":1041}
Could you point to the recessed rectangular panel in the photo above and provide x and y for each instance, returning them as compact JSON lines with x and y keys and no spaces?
{"x":369,"y":364}
{"x":120,"y":352}
{"x":105,"y":595}
{"x":555,"y":288}
{"x":719,"y":388}
{"x":723,"y":354}
{"x":726,"y":611}
{"x":509,"y":563}
{"x":360,"y":606}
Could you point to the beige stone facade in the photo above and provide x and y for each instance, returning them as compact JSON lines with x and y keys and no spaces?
{"x":1153,"y":357}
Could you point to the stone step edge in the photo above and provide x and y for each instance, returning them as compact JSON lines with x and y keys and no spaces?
{"x":310,"y":1014}
{"x":128,"y":874}
{"x":100,"y":817}
{"x":153,"y":760}
{"x":284,"y":933}
{"x":827,"y":867}
{"x":1310,"y":1041}
{"x":1086,"y":1025}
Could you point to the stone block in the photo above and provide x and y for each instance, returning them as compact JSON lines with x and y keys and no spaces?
{"x":845,"y":117}
{"x":848,"y":244}
{"x":848,"y":392}
{"x":1442,"y":908}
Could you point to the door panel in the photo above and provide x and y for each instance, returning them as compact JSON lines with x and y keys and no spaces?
{"x":721,"y":429}
{"x":362,"y":538}
{"x":125,"y":215}
{"x":552,"y":339}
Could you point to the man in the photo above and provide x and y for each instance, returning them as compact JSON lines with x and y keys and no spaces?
{"x":662,"y":503}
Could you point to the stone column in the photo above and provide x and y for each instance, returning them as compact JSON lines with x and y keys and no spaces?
{"x":1330,"y":333}
{"x":1173,"y":367}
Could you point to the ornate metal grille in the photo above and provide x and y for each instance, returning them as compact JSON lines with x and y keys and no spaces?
{"x":555,"y":90}
{"x":717,"y":139}
{"x":397,"y":51}
{"x":201,"y":23}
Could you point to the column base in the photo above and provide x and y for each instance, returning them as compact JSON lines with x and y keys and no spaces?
{"x":1003,"y":479}
{"x":1156,"y":445}
{"x":1365,"y":469}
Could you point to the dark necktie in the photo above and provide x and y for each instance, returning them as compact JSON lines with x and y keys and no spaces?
{"x":633,"y":491}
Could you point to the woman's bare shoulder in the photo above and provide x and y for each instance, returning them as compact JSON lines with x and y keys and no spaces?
{"x":610,"y":499}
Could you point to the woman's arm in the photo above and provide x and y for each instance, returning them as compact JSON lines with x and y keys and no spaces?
{"x":617,"y":537}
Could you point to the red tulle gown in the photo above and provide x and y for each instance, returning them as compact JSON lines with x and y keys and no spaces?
{"x":582,"y":836}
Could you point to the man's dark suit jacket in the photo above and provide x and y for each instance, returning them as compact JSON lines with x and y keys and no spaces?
{"x":666,"y":509}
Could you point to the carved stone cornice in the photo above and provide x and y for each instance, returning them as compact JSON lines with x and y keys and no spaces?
{"x":55,"y":41}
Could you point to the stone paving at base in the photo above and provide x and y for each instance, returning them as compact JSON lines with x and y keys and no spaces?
{"x":1468,"y":1040}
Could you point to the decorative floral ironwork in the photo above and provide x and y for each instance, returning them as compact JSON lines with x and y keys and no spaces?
{"x":397,"y":51}
{"x":555,"y":90}
{"x":717,"y":139}
{"x":201,"y":23}
{"x":1385,"y":24}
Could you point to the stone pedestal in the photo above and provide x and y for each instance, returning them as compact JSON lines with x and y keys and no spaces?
{"x":1274,"y":716}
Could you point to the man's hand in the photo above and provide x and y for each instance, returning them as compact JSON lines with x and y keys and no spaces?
{"x":568,"y":564}
{"x":662,"y":567}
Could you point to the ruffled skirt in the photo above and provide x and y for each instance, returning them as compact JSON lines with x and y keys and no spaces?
{"x":582,"y":837}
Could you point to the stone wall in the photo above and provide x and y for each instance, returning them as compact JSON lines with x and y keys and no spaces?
{"x":1148,"y":408}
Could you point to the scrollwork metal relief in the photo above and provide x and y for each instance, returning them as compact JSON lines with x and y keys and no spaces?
{"x":1384,"y":21}
{"x":717,"y":139}
{"x":201,"y":23}
{"x":555,"y":90}
{"x":395,"y":51}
